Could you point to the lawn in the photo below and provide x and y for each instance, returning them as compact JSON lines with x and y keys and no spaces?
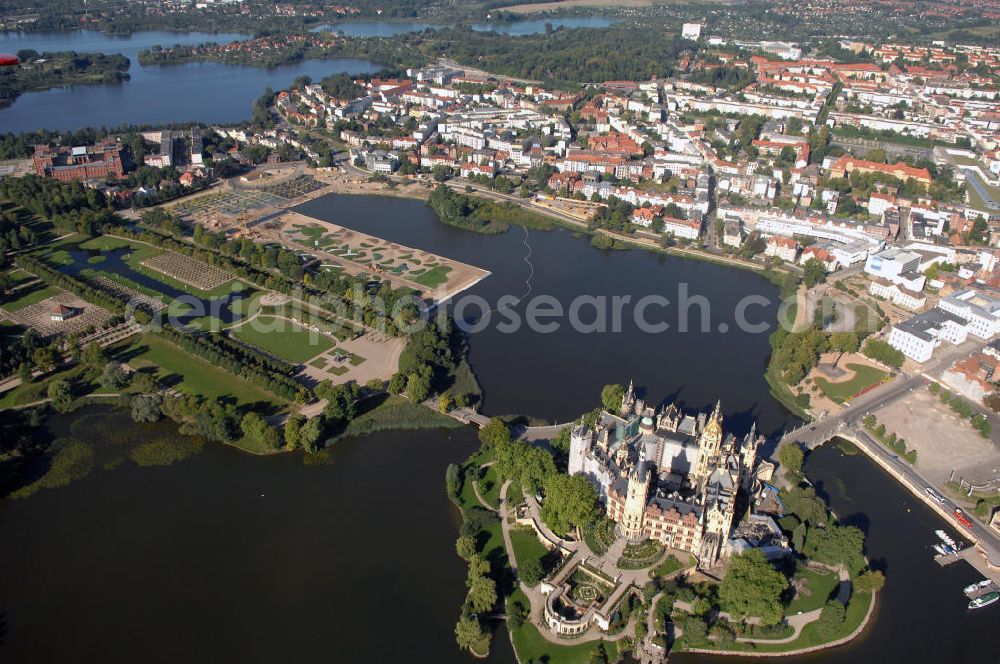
{"x":30,"y":295}
{"x":489,"y":488}
{"x":104,"y":242}
{"x":526,"y":545}
{"x":864,"y":376}
{"x":284,"y":339}
{"x":434,"y":277}
{"x":819,"y":587}
{"x":196,"y":376}
{"x":667,"y":567}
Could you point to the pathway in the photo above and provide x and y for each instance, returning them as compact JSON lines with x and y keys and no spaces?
{"x":479,"y":496}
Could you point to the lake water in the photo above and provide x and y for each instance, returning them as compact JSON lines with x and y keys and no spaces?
{"x":517,"y":29}
{"x":558,"y":375}
{"x":206,"y":92}
{"x":535,"y":26}
{"x":240,"y":558}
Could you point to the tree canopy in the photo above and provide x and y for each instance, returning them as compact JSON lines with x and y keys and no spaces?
{"x":753,"y":587}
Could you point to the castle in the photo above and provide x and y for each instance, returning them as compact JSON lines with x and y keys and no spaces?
{"x":667,"y":476}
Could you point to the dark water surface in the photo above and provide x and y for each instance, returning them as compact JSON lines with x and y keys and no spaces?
{"x":225,"y":557}
{"x":198,"y":91}
{"x":559,"y":375}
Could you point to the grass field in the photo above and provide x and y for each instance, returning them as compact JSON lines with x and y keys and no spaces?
{"x":434,"y":277}
{"x":864,"y":376}
{"x":28,"y":296}
{"x":819,"y":587}
{"x":526,"y":545}
{"x":192,"y":374}
{"x":284,"y":339}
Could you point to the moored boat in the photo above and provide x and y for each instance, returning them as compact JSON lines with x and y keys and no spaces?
{"x":985,"y":600}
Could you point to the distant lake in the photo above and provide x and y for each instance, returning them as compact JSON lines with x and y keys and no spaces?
{"x":518,"y":29}
{"x":374,"y":28}
{"x":199,"y":91}
{"x":521,"y":28}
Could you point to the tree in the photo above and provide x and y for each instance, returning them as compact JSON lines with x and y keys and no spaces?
{"x":397,"y":383}
{"x":517,"y":613}
{"x":293,"y":427}
{"x":44,"y":358}
{"x":611,"y":397}
{"x":843,"y":342}
{"x":113,"y":378}
{"x":753,"y":587}
{"x":256,"y":428}
{"x":813,"y":272}
{"x":465,"y":547}
{"x":570,"y":502}
{"x":791,"y":457}
{"x":444,"y":404}
{"x":146,"y":407}
{"x":530,"y":572}
{"x":310,"y":434}
{"x":482,"y":594}
{"x":453,"y":481}
{"x":495,"y":432}
{"x":806,"y":505}
{"x":836,"y":545}
{"x":418,"y":386}
{"x":61,"y":394}
{"x":869,"y":581}
{"x":830,"y":620}
{"x":880,"y":350}
{"x":467,"y":631}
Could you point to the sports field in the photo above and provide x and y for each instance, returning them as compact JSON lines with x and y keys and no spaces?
{"x":283,"y":338}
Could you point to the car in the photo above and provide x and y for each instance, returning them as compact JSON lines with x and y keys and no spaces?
{"x":961,"y":518}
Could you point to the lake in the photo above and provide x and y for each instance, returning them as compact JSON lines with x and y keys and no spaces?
{"x":517,"y":29}
{"x":558,"y":375}
{"x":207,"y":92}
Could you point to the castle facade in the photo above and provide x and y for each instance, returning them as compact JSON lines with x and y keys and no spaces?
{"x":669,"y":476}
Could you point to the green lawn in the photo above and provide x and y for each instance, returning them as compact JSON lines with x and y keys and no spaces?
{"x":864,"y":376}
{"x":820,"y":586}
{"x":102,"y":242}
{"x":489,"y":488}
{"x":434,"y":277}
{"x":284,"y":339}
{"x":667,"y":567}
{"x":197,"y":376}
{"x":526,"y":545}
{"x":30,"y":295}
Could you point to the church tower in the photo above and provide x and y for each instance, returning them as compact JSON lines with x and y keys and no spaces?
{"x":635,"y":500}
{"x":751,"y":444}
{"x":628,"y":401}
{"x":709,"y":445}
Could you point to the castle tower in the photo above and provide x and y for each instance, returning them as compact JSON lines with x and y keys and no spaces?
{"x":628,"y":401}
{"x":751,"y":445}
{"x":580,"y":441}
{"x":709,"y":445}
{"x":635,"y":500}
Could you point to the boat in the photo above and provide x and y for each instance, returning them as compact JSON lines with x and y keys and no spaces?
{"x":943,"y":536}
{"x":971,"y":588}
{"x":985,"y":600}
{"x":985,"y":583}
{"x":940,"y":549}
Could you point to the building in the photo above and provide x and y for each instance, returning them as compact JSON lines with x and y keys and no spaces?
{"x":973,"y":377}
{"x":61,"y":313}
{"x":902,"y":171}
{"x":898,"y":266}
{"x":784,"y":248}
{"x":899,"y":295}
{"x":683,"y":228}
{"x":691,"y":31}
{"x":104,"y":160}
{"x":668,"y":476}
{"x":980,"y":311}
{"x":918,"y":337}
{"x":732,"y":232}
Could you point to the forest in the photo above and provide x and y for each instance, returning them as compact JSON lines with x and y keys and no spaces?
{"x":40,"y":71}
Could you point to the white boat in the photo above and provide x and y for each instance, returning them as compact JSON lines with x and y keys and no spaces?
{"x":943,"y":536}
{"x":940,"y":549}
{"x":985,"y":583}
{"x":971,"y":588}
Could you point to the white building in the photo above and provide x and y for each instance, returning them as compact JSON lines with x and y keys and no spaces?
{"x":980,"y":312}
{"x":898,"y":266}
{"x":918,"y":337}
{"x":898,"y":295}
{"x":691,"y":31}
{"x":684,"y":228}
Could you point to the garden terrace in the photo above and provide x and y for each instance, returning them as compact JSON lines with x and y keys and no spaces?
{"x":188,"y":270}
{"x":80,"y":315}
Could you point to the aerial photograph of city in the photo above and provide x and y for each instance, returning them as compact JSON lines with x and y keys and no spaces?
{"x":500,"y":331}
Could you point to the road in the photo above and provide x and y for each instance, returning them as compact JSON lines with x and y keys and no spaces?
{"x":848,"y":423}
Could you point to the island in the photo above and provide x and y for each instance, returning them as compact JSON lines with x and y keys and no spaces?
{"x":41,"y":71}
{"x":648,"y":529}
